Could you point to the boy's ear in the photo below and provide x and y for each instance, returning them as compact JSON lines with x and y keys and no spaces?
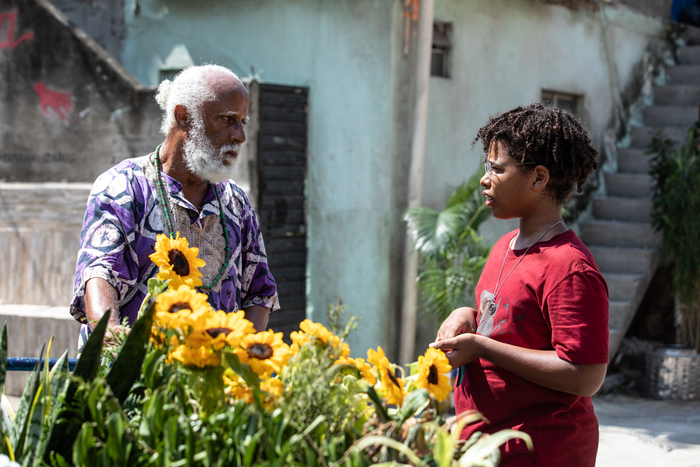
{"x":541,"y":178}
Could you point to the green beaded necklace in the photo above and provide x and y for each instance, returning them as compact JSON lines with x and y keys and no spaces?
{"x":171,"y":231}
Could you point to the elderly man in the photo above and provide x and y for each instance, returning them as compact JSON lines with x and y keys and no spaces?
{"x":182,"y":187}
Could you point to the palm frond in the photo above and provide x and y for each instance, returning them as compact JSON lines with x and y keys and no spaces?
{"x":432,"y":231}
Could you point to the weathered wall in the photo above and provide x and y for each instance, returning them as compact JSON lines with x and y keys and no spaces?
{"x":505,"y":53}
{"x":39,"y":230}
{"x":102,"y":20}
{"x":344,"y":52}
{"x":67,"y":110}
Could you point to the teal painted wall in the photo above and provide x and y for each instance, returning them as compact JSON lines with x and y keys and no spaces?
{"x":349,"y":53}
{"x":344,"y":51}
{"x":505,"y":52}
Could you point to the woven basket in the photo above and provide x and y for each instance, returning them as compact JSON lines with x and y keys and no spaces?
{"x":671,"y":373}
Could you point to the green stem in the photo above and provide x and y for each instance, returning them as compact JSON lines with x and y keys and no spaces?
{"x":144,"y":304}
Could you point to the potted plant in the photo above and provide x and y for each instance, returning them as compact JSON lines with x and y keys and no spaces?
{"x":676,"y":214}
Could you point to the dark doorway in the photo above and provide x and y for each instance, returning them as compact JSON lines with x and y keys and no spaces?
{"x":281,"y":202}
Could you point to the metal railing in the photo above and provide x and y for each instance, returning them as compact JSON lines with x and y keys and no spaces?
{"x":28,"y":364}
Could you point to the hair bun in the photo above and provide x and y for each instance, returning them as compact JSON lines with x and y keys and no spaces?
{"x":163,"y":93}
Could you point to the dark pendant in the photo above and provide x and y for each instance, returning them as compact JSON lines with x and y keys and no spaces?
{"x":492,"y":308}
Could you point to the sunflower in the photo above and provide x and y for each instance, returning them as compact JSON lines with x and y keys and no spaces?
{"x":271,"y":390}
{"x":174,"y":307}
{"x":236,"y":387}
{"x":317,"y":330}
{"x":200,"y":357}
{"x":178,"y":262}
{"x":273,"y":386}
{"x":391,"y":387}
{"x":299,"y":340}
{"x":431,"y":373}
{"x":264,"y":352}
{"x":366,"y":370}
{"x":363,"y":367}
{"x":216,"y":329}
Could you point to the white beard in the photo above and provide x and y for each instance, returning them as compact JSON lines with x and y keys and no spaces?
{"x":204,"y":161}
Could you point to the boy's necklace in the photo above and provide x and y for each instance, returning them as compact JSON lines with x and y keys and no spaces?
{"x":492,"y":300}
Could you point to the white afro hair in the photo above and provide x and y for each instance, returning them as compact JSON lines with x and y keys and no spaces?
{"x":190,"y":89}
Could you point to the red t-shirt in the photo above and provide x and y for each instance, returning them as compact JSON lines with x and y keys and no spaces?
{"x":555,"y":299}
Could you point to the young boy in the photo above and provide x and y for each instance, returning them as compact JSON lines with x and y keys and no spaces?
{"x":536,"y":347}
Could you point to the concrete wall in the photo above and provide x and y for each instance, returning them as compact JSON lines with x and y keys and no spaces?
{"x":68,"y":111}
{"x":40,"y":227}
{"x":344,"y":51}
{"x":505,"y":53}
{"x":102,"y":20}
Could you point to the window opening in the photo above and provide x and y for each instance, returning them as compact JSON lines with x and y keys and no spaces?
{"x":570,"y":102}
{"x":442,"y":44}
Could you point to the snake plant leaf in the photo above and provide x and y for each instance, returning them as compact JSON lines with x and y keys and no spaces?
{"x":34,"y":428}
{"x":61,"y":441}
{"x":89,"y":361}
{"x":59,"y":381}
{"x":24,"y":411}
{"x":60,"y":378}
{"x":127,"y":367}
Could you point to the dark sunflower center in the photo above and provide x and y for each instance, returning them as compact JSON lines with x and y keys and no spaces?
{"x":213,"y":332}
{"x":261,"y":351}
{"x":179,"y":262}
{"x":392,"y":377}
{"x":432,"y":375}
{"x":175,"y":307}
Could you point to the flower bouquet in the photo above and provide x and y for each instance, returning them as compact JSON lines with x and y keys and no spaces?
{"x":193,"y":386}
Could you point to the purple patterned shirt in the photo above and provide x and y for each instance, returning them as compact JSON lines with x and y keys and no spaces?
{"x":123,"y":217}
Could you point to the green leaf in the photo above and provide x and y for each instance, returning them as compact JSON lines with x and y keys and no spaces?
{"x":244,"y":371}
{"x":488,"y":444}
{"x":378,"y":405}
{"x":366,"y":442}
{"x":24,"y":411}
{"x":89,"y":361}
{"x":61,"y":440}
{"x":127,"y":367}
{"x":443,"y":449}
{"x":156,"y":286}
{"x":34,"y":429}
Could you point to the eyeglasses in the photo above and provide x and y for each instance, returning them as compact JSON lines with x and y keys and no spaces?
{"x":488,"y":166}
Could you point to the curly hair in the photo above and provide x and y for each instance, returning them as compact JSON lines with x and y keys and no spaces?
{"x":539,"y":134}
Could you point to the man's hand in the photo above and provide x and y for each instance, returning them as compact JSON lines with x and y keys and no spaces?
{"x":258,"y":315}
{"x":461,"y":321}
{"x":113,"y":333}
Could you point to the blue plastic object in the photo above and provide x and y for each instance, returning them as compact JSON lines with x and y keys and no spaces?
{"x":28,"y":364}
{"x":680,"y":5}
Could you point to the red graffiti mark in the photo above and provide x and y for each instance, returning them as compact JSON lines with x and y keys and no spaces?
{"x":9,"y":41}
{"x":59,"y":102}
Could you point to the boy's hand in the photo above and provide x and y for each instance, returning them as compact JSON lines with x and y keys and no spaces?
{"x":461,"y":321}
{"x":459,"y":350}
